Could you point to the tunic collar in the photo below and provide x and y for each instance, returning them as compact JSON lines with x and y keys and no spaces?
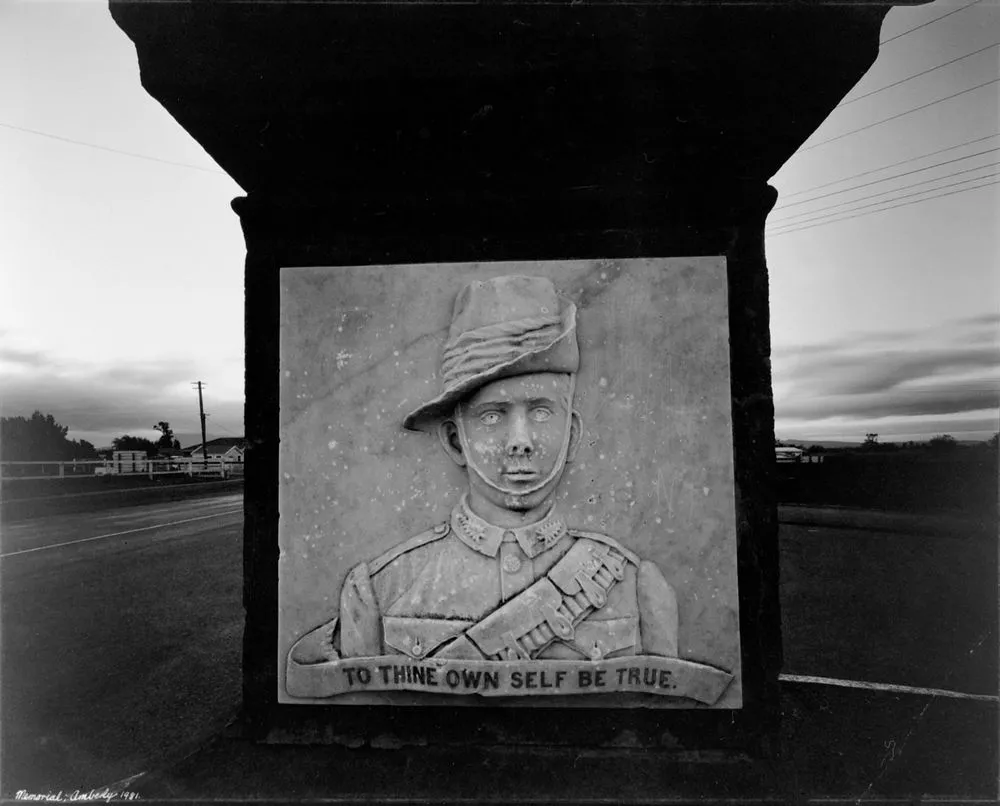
{"x":484,"y":537}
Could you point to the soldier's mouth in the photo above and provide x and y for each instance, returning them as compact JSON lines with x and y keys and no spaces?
{"x":520,"y":474}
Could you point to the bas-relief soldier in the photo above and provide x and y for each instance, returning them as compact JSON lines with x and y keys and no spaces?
{"x":506,"y":577}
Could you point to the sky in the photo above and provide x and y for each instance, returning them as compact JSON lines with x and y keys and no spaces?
{"x":121,"y":261}
{"x":885,"y":312}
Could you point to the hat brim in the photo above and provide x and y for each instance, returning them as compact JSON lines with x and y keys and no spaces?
{"x":562,"y":354}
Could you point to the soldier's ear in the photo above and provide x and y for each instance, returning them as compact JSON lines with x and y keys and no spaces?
{"x":448,"y":434}
{"x":575,"y":434}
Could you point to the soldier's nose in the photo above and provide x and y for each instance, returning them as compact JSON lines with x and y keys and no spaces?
{"x":519,"y":440}
{"x":518,"y":449}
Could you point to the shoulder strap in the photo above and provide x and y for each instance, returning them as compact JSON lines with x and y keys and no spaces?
{"x":631,"y":556}
{"x":436,"y":533}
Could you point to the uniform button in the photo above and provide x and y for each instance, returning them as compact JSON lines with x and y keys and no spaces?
{"x":509,"y":535}
{"x":511,"y":563}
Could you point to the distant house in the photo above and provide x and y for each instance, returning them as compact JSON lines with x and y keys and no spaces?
{"x":788,"y":453}
{"x":226,"y":449}
{"x":126,"y":462}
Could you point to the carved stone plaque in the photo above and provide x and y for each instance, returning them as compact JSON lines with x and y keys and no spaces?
{"x":508,"y":483}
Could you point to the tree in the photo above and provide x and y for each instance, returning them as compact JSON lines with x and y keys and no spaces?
{"x":86,"y":450}
{"x":166,"y":439}
{"x":870,"y":443}
{"x":39,"y":438}
{"x":129,"y":443}
{"x":994,"y":441}
{"x":942,"y":442}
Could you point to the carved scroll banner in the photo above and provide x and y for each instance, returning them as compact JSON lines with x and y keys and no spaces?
{"x":640,"y":674}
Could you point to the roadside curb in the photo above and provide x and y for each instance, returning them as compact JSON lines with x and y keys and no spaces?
{"x":930,"y":524}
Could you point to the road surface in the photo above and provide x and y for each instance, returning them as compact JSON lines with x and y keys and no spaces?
{"x":120,"y":639}
{"x":122,"y":631}
{"x":915,"y":610}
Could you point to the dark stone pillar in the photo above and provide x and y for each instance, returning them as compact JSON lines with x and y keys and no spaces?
{"x":728,"y":221}
{"x":385,"y":133}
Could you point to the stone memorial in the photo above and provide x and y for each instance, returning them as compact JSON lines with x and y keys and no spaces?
{"x":511,"y":482}
{"x":429,"y":136}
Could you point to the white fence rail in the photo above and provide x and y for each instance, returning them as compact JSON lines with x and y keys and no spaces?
{"x":126,"y":467}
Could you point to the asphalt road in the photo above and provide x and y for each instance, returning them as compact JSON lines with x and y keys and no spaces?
{"x":122,"y":629}
{"x":881,"y":607}
{"x":120,"y":639}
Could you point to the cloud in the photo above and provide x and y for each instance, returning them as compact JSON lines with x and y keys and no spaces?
{"x":983,"y":329}
{"x":18,"y":357}
{"x":895,"y":429}
{"x":895,"y":403}
{"x":864,"y":372}
{"x":864,"y":339}
{"x":991,"y":320}
{"x":943,"y":372}
{"x":101,"y":402}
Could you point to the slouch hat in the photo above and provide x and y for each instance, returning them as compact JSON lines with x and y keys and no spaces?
{"x":501,"y":327}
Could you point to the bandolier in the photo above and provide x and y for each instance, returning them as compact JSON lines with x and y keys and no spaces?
{"x":551,"y":608}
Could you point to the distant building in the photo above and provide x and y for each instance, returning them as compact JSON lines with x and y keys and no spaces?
{"x":126,"y":462}
{"x":226,"y":449}
{"x":789,"y":453}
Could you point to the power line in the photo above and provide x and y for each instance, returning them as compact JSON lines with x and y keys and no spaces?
{"x":894,"y":190}
{"x":884,"y":209}
{"x":112,"y":150}
{"x":892,"y":165}
{"x":887,"y":201}
{"x":916,"y":75}
{"x":886,"y":179}
{"x":217,"y":424}
{"x":931,"y":22}
{"x":900,"y":115}
{"x":794,"y":228}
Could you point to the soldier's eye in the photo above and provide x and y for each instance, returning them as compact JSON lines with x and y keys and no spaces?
{"x":541,"y":414}
{"x":489,"y":417}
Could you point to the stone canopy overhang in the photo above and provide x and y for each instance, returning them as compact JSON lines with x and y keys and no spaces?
{"x":619,"y":113}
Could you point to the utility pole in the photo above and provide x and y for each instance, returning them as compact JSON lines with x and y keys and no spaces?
{"x":201,"y":412}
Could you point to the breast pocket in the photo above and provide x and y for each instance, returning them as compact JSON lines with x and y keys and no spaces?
{"x":420,"y":637}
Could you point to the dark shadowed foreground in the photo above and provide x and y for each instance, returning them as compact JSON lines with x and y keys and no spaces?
{"x":121,"y":655}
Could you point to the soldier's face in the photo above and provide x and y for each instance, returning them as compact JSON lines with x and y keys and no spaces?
{"x":515,"y":433}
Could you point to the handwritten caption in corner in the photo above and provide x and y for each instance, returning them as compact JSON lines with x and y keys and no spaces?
{"x":62,"y":796}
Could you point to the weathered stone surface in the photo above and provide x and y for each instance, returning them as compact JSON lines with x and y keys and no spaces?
{"x":361,"y":349}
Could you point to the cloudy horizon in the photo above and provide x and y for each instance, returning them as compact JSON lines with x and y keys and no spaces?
{"x":904,"y":385}
{"x":98,"y":403}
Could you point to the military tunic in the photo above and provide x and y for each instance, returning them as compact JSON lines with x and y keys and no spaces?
{"x":422,"y":597}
